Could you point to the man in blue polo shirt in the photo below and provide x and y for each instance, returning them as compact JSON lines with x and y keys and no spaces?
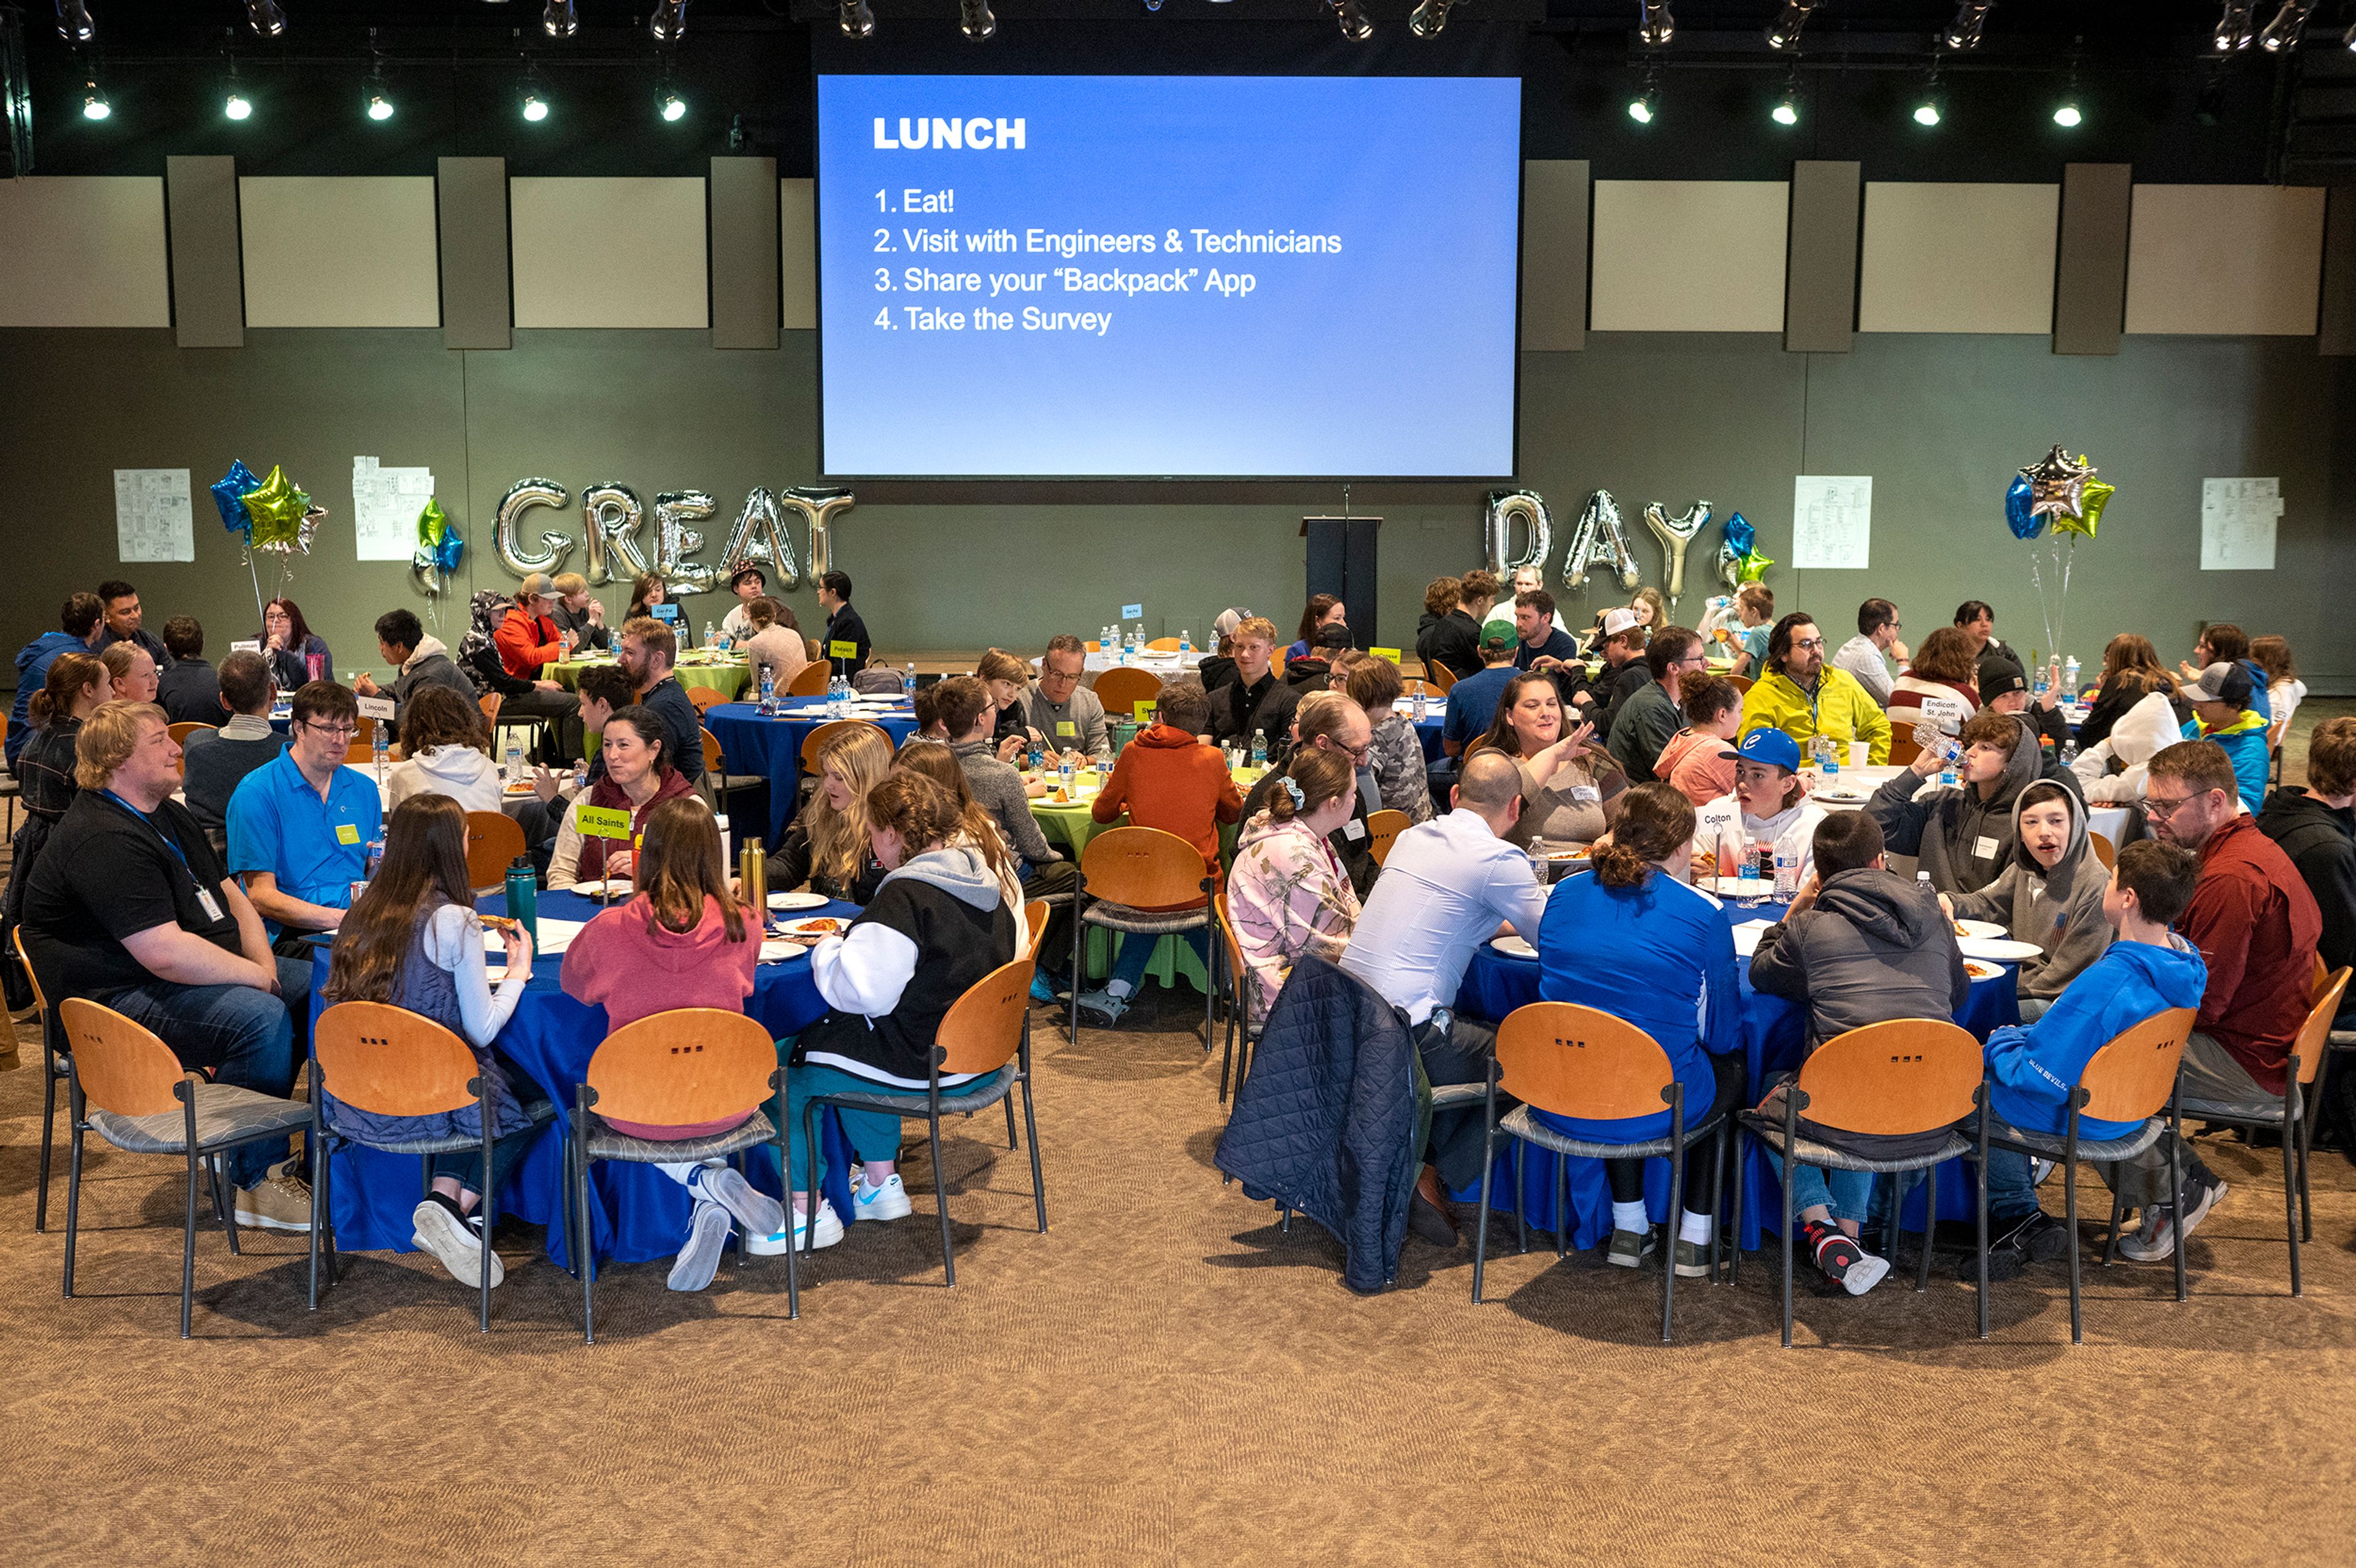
{"x":299,"y":826}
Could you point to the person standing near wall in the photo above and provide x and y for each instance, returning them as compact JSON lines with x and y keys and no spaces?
{"x":843,"y":624}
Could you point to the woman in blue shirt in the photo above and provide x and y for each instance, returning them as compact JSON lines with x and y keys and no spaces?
{"x":1632,"y":939}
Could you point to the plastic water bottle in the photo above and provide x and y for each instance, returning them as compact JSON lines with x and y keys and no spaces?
{"x":1922,"y":885}
{"x":1539,"y":858}
{"x":514,"y":772}
{"x":1948,"y":755}
{"x":2039,"y":685}
{"x":1063,"y":771}
{"x":581,"y":777}
{"x":2069,"y":750}
{"x":375,"y":854}
{"x":711,"y":637}
{"x":1185,"y":642}
{"x":908,"y":681}
{"x":1260,"y":749}
{"x":1036,"y":755}
{"x":1422,"y":703}
{"x":2070,"y":678}
{"x":381,"y":749}
{"x":726,"y":642}
{"x":1787,"y":872}
{"x":768,"y":692}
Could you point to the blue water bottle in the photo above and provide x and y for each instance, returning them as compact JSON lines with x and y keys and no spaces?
{"x":523,"y":898}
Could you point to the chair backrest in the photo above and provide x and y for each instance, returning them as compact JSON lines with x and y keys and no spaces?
{"x":489,"y":703}
{"x":711,"y":753}
{"x":1163,"y":645}
{"x":1903,"y":751}
{"x":1577,"y":1062}
{"x":1035,"y":925}
{"x":2103,"y":851}
{"x":1742,"y":682}
{"x":1121,"y":690}
{"x":120,"y":1066}
{"x":814,"y":650}
{"x":810,"y":680}
{"x":494,"y":840}
{"x":691,"y":1064}
{"x":1144,"y":867}
{"x":2314,"y":1042}
{"x":2318,"y":977}
{"x":1441,"y":676}
{"x":41,"y":1003}
{"x":1381,"y":829}
{"x":1238,"y":972}
{"x":2131,"y":1077}
{"x":390,"y":1061}
{"x":819,"y":738}
{"x":984,"y":1029}
{"x":705,"y":696}
{"x":361,"y":753}
{"x":182,"y":731}
{"x":1909,"y":1075}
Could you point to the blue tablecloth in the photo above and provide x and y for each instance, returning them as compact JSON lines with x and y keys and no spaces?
{"x":1774,"y":1033}
{"x":772,"y":748}
{"x":636,"y":1213}
{"x":1428,"y":731}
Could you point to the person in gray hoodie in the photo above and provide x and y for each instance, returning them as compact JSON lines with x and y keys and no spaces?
{"x":2049,"y":892}
{"x":419,"y":660}
{"x":1963,"y":837}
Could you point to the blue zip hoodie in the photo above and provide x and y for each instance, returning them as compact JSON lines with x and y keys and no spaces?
{"x":2244,"y":740}
{"x":33,"y":661}
{"x":2036,"y":1065}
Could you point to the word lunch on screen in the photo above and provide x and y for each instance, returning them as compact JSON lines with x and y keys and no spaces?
{"x":1168,"y":277}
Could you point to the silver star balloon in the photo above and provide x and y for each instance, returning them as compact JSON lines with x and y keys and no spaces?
{"x":2057,"y":486}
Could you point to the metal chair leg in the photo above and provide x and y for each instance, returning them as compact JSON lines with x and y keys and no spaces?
{"x":1561,"y":1207}
{"x":48,"y":1133}
{"x":221,"y":1205}
{"x":1979,"y":1215}
{"x":2305,"y":1148}
{"x":587,"y":1257}
{"x":189,"y":1247}
{"x":1734,"y":1209}
{"x":1930,"y":1230}
{"x":2175,"y":1173}
{"x":1011,"y":1144}
{"x":1079,"y":975}
{"x":1676,"y":1216}
{"x":1480,"y":1233}
{"x":816,"y":1193}
{"x":73,"y":1181}
{"x":941,"y":1198}
{"x":1038,"y":1182}
{"x":2290,"y":1195}
{"x":1788,"y":1244}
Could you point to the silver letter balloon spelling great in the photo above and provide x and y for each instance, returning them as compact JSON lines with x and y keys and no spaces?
{"x":758,"y":537}
{"x":674,"y":541}
{"x":1675,"y":533}
{"x":1600,"y":540}
{"x":1504,"y":505}
{"x":610,"y":515}
{"x":818,"y":508}
{"x":522,"y":497}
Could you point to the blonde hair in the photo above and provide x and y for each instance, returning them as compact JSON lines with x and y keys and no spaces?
{"x":1259,"y":626}
{"x":838,"y":839}
{"x":568,"y":583}
{"x":107,"y":738}
{"x":118,"y":658}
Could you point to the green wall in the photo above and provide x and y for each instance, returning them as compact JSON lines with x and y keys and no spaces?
{"x":1939,"y":422}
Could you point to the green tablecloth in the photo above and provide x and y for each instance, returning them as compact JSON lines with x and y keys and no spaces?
{"x":729,"y":679}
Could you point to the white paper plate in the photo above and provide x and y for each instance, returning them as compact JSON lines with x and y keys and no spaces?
{"x":2002,"y":952}
{"x":1982,"y":930}
{"x":1514,"y":945}
{"x":1981,"y":969}
{"x":595,"y":890}
{"x":797,"y":901}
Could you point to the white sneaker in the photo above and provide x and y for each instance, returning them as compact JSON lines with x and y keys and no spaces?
{"x":453,"y":1244}
{"x":888,"y":1202}
{"x":830,"y":1231}
{"x":699,"y":1258}
{"x":756,"y":1211}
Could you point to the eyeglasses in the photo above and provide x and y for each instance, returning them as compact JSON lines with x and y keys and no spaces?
{"x":2153,"y":805}
{"x":1058,"y":678}
{"x":1804,"y":643}
{"x":340,"y":731}
{"x":1355,"y":753}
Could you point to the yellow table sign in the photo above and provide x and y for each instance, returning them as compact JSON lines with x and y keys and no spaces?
{"x":602,"y":821}
{"x":841,"y":650}
{"x":1144,"y":707}
{"x":1391,"y":654}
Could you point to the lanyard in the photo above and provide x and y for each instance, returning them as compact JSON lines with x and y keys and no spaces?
{"x":169,"y":842}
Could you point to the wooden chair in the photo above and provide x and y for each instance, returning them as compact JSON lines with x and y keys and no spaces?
{"x":1741,"y":683}
{"x":818,"y":739}
{"x":389,"y":1062}
{"x":490,"y":702}
{"x":719,"y":784}
{"x":2103,"y":852}
{"x":125,"y":1085}
{"x":179,"y":733}
{"x":1034,"y":926}
{"x":1439,"y":676}
{"x":494,"y":842}
{"x":1238,"y":995}
{"x":1381,"y":829}
{"x":53,"y":1072}
{"x":986,"y":1033}
{"x":810,"y":680}
{"x":707,"y":697}
{"x":1122,"y":688}
{"x":1570,"y":1060}
{"x":1163,"y":646}
{"x":2131,"y":1078}
{"x":815,"y":651}
{"x":674,"y":1069}
{"x":1902,"y":749}
{"x":1906,"y":1076}
{"x":1141,"y":883}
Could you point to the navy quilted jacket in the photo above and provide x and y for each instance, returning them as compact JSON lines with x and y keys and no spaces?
{"x":1332,"y":1119}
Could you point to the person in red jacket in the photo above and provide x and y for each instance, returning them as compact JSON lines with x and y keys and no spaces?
{"x":2256,"y":926}
{"x":528,"y":642}
{"x":1166,"y":778}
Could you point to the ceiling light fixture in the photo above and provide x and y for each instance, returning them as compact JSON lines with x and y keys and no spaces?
{"x":668,"y":21}
{"x":1787,"y":110}
{"x":674,"y":108}
{"x":1428,"y":19}
{"x":558,"y":20}
{"x":74,"y":25}
{"x":379,"y":95}
{"x":1964,"y":32}
{"x":855,"y":19}
{"x":2233,"y":30}
{"x":1927,"y":111}
{"x":235,"y":104}
{"x":266,"y":18}
{"x":2288,"y":27}
{"x":1783,"y":32}
{"x":1642,"y":108}
{"x":1357,"y":26}
{"x":1657,"y":27}
{"x":975,"y":21}
{"x":94,"y":105}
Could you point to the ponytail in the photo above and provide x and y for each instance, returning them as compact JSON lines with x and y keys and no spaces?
{"x":1655,"y":823}
{"x":1315,"y":777}
{"x":69,"y":675}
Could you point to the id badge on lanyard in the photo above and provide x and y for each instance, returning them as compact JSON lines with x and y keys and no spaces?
{"x":206,"y":900}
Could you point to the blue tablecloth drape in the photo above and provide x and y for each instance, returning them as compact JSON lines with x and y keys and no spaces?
{"x":772,"y":748}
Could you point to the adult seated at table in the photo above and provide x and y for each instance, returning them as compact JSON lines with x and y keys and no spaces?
{"x":647,"y":592}
{"x":1256,"y":704}
{"x":2315,"y":827}
{"x":1869,"y":655}
{"x":2222,"y":642}
{"x":2256,"y":926}
{"x":1397,"y":754}
{"x":1805,"y":697}
{"x":188,"y":688}
{"x":1542,"y":644}
{"x":1168,"y":779}
{"x":217,"y":760}
{"x":2131,"y":672}
{"x":1977,"y":621}
{"x":1472,"y":705}
{"x":1622,"y":639}
{"x":2225,"y":714}
{"x":1962,"y":836}
{"x":1670,"y":972}
{"x":2050,"y":893}
{"x":1651,"y":714}
{"x":579,"y":615}
{"x":843,"y":624}
{"x":2033,"y":1066}
{"x":1062,"y":714}
{"x":412,"y":941}
{"x":130,"y":673}
{"x":637,"y":777}
{"x":1330,"y":651}
{"x":2008,"y":693}
{"x":78,"y":631}
{"x":1698,"y":760}
{"x":979,"y":834}
{"x":1448,"y":635}
{"x":446,"y":751}
{"x":748,"y":583}
{"x":2112,"y":771}
{"x":1288,"y":892}
{"x":1329,"y":721}
{"x":1940,"y":686}
{"x":934,"y":928}
{"x":1322,"y":611}
{"x":47,"y":779}
{"x":1860,"y":945}
{"x":132,"y":909}
{"x":2279,"y":677}
{"x":123,"y":622}
{"x":649,"y":650}
{"x":1504,"y":610}
{"x":301,"y":824}
{"x":1006,"y":681}
{"x":1450,"y":885}
{"x":297,"y":655}
{"x":606,"y":690}
{"x":925,"y":706}
{"x":773,"y":642}
{"x":965,"y":708}
{"x":527,"y":643}
{"x":419,"y":660}
{"x":1769,"y":805}
{"x":827,"y":847}
{"x":1569,"y":786}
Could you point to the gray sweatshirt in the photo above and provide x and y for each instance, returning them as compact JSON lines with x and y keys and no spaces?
{"x":1083,"y":711}
{"x":2061,"y":910}
{"x":999,"y":788}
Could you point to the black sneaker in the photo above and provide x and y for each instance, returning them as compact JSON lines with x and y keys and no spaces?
{"x":2015,"y":1242}
{"x":1841,"y":1260}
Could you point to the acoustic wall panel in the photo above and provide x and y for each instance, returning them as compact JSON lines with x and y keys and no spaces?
{"x":1959,"y":258}
{"x":1689,"y":255}
{"x":207,"y":274}
{"x":477,"y":310}
{"x":84,"y":251}
{"x":1820,"y":285}
{"x":1555,"y":194}
{"x":798,"y":253}
{"x":340,"y":250}
{"x":608,"y":252}
{"x":2226,"y":260}
{"x":744,"y":237}
{"x":2090,"y":258}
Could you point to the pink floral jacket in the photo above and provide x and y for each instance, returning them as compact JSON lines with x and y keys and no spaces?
{"x":1287,"y":895}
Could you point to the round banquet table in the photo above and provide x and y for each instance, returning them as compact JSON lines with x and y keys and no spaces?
{"x":636,"y":1213}
{"x":772,"y":748}
{"x":1773,"y":1034}
{"x":728,"y":674}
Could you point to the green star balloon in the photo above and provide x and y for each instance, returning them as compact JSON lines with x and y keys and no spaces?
{"x":277,"y":509}
{"x":432,"y":523}
{"x":1752,"y":566}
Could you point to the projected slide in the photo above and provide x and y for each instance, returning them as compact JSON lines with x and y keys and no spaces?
{"x":1168,"y":276}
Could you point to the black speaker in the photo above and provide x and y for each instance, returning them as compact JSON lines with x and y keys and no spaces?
{"x":1342,"y":561}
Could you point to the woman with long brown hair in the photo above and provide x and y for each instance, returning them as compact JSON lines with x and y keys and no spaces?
{"x":637,"y":777}
{"x":646,"y":590}
{"x":2131,"y":672}
{"x":1631,"y":938}
{"x":827,"y":846}
{"x":1322,"y":610}
{"x":1288,"y":893}
{"x":1570,"y":787}
{"x":446,"y":751}
{"x":1940,"y":685}
{"x":412,"y":939}
{"x":77,"y":686}
{"x":981,"y":833}
{"x":297,"y":655}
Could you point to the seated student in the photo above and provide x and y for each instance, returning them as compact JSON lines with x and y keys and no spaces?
{"x":2111,"y":772}
{"x":1754,"y":612}
{"x":1168,"y":779}
{"x":648,"y":597}
{"x":76,"y":687}
{"x":1061,"y":713}
{"x":2034,"y":1066}
{"x":1962,"y":836}
{"x":1218,"y":665}
{"x":748,"y":583}
{"x":1329,"y":652}
{"x":130,"y":672}
{"x":1504,"y":609}
{"x":217,"y":760}
{"x":965,"y":708}
{"x":411,"y":940}
{"x":2224,"y":708}
{"x":2007,"y":692}
{"x":481,"y":659}
{"x":827,"y":847}
{"x":1288,"y":893}
{"x":1867,"y":655}
{"x":580,"y":616}
{"x":684,"y":940}
{"x":297,"y":655}
{"x":1256,"y":704}
{"x":979,"y":834}
{"x":446,"y":749}
{"x":2284,"y":691}
{"x":1649,"y":717}
{"x":606,"y":690}
{"x":2049,"y":892}
{"x":527,"y":643}
{"x":927,"y":706}
{"x":1543,"y":645}
{"x":1940,"y":686}
{"x":1769,"y":805}
{"x":1322,"y":610}
{"x":1396,"y":756}
{"x":301,"y":824}
{"x":2316,"y":829}
{"x":188,"y":689}
{"x":421,"y":661}
{"x":1805,"y":697}
{"x":773,"y":642}
{"x":1472,"y":702}
{"x":1623,"y":642}
{"x":124,"y":623}
{"x":1859,"y":946}
{"x":647,"y":653}
{"x":1007,"y":682}
{"x":132,"y":909}
{"x":2131,"y":672}
{"x":637,"y":776}
{"x":2222,"y":642}
{"x":1450,"y":885}
{"x":1329,"y":721}
{"x":1448,"y":635}
{"x":1671,"y":974}
{"x":1698,"y":760}
{"x":935,"y":927}
{"x":79,"y":630}
{"x":1977,"y":621}
{"x":1569,"y":786}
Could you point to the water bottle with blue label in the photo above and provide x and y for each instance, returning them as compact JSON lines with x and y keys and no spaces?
{"x":768,"y":692}
{"x":1260,"y":749}
{"x":2070,"y":668}
{"x":711,"y":637}
{"x":1063,"y":771}
{"x":1787,"y":872}
{"x":514,"y":774}
{"x":380,"y":748}
{"x":1422,"y":704}
{"x":1185,"y":642}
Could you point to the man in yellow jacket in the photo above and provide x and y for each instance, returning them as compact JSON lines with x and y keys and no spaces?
{"x":1804,"y":696}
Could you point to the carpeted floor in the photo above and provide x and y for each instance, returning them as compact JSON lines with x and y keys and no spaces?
{"x":1162,"y":1378}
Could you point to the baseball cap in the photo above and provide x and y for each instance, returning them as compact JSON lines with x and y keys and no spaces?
{"x":539,"y":585}
{"x":1772,"y":746}
{"x":2221,"y":682}
{"x":1498,"y":636}
{"x":1617,"y":621}
{"x":2001,"y":683}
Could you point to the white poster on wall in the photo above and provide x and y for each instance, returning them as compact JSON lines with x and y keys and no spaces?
{"x":385,"y":504}
{"x":1832,"y":522}
{"x":2237,"y":524}
{"x":154,"y":520}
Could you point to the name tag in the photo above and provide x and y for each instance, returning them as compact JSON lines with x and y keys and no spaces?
{"x":1354,"y":830}
{"x":602,"y":821}
{"x":1984,"y":849}
{"x":347,"y":833}
{"x":1391,"y":654}
{"x":209,"y":904}
{"x":376,"y":707}
{"x":841,"y":650}
{"x":1585,"y":792}
{"x":1065,"y":727}
{"x":1143,"y":710}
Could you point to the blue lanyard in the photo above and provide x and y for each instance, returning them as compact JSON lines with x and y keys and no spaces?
{"x":169,"y":842}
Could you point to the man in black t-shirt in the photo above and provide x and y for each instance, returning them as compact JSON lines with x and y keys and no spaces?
{"x":843,"y":624}
{"x":137,"y":913}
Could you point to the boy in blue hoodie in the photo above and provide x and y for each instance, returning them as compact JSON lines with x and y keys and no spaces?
{"x":2148,"y":970}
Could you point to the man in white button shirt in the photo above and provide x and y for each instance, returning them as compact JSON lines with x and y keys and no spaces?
{"x":1450,"y":885}
{"x":1866,"y":655}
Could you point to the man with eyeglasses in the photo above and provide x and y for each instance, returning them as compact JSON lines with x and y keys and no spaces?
{"x":1805,"y":697}
{"x":300,"y":825}
{"x":1867,"y":655}
{"x":1651,"y":718}
{"x":2256,"y":925}
{"x":1331,"y":721}
{"x":1066,"y":715}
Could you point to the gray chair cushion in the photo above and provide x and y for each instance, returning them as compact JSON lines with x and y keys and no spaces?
{"x":2049,"y":1145}
{"x":2267,"y":1114}
{"x":913,"y":1101}
{"x":225,"y":1114}
{"x":1447,"y":1097}
{"x":1145,"y":922}
{"x":1525,"y":1125}
{"x":537,"y":1113}
{"x":605,"y":1142}
{"x":1826,"y":1158}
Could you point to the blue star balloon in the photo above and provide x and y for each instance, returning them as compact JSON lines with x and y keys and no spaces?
{"x":1739,"y":536}
{"x":229,"y":493}
{"x":2018,"y":498}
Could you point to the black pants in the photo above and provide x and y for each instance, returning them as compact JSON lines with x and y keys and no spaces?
{"x":1056,"y":879}
{"x":466,"y":1165}
{"x":560,"y":742}
{"x":1459,"y":1056}
{"x":1627,"y":1176}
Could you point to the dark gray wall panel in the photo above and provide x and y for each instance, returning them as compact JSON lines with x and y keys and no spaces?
{"x":208,"y":265}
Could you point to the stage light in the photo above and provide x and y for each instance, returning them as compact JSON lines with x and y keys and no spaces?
{"x":855,"y":19}
{"x":1964,"y":32}
{"x":266,"y":18}
{"x":668,"y":21}
{"x":975,"y":21}
{"x":674,"y":108}
{"x":535,"y":107}
{"x":237,"y":105}
{"x":558,"y":20}
{"x":380,"y":107}
{"x":1640,"y":108}
{"x":1357,"y":26}
{"x":2348,"y":38}
{"x":94,"y":105}
{"x":1783,"y":33}
{"x":74,"y":25}
{"x":2233,"y":30}
{"x":1785,"y":114}
{"x":1427,"y":17}
{"x":2288,"y":27}
{"x":1658,"y":27}
{"x":2067,"y":116}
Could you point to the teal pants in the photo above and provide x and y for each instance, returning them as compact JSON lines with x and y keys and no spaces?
{"x":876,"y":1135}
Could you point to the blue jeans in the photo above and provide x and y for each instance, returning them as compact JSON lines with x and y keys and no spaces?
{"x":1137,"y":952}
{"x":237,"y":1034}
{"x":876,"y":1135}
{"x":1847,"y":1193}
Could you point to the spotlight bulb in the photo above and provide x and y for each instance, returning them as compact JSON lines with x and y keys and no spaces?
{"x":855,"y":19}
{"x":535,"y":107}
{"x":1639,"y":109}
{"x":1927,"y":112}
{"x":1783,"y":33}
{"x":1428,"y":18}
{"x":94,"y":105}
{"x":266,"y":18}
{"x":2233,"y":30}
{"x":668,"y":21}
{"x":1657,"y":27}
{"x":380,"y":107}
{"x":558,"y":20}
{"x":1785,"y":114}
{"x":1357,"y":26}
{"x":975,"y":21}
{"x":674,"y":108}
{"x":1964,"y":32}
{"x":2067,"y":116}
{"x":236,"y":106}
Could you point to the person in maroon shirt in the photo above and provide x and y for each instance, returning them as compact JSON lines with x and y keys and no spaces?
{"x":2256,"y":926}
